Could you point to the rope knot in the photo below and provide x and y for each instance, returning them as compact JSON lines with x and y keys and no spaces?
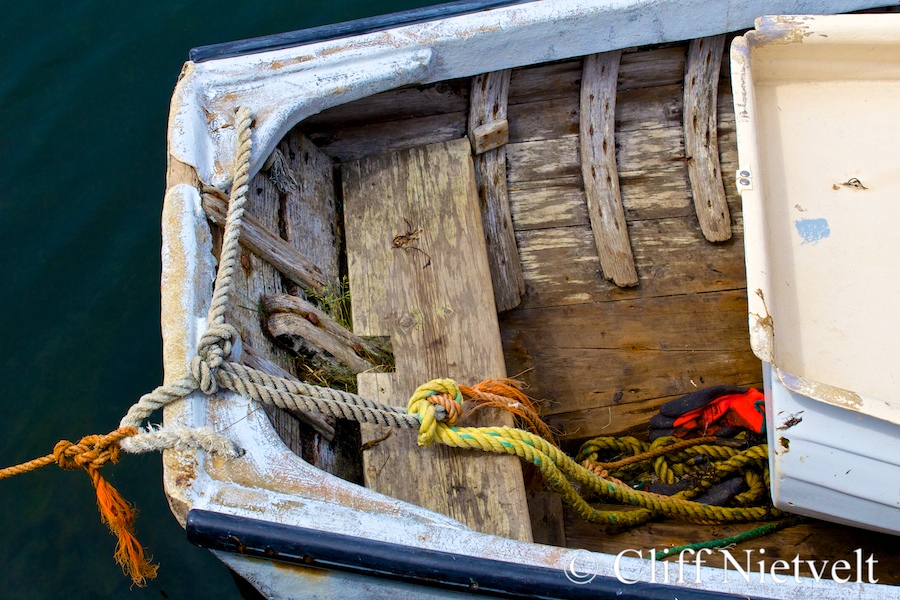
{"x":213,"y":349}
{"x":437,"y":400}
{"x":92,"y":451}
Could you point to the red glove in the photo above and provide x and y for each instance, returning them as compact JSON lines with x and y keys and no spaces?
{"x":745,"y":410}
{"x":719,"y":410}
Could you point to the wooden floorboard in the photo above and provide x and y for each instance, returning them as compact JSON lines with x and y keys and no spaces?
{"x":431,"y":293}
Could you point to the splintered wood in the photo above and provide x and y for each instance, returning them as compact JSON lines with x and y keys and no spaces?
{"x":489,"y":133}
{"x":419,"y":273}
{"x":701,"y":140}
{"x":598,"y":167}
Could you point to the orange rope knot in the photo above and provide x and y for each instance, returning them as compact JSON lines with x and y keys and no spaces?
{"x":91,"y":453}
{"x":450,"y":404}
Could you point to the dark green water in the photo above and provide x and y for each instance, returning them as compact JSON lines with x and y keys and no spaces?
{"x":84,"y":93}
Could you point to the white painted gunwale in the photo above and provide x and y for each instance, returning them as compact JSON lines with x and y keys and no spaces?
{"x":284,"y":87}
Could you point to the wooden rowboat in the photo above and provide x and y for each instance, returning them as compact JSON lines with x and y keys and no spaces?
{"x":542,"y":190}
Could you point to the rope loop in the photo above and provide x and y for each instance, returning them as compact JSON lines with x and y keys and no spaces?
{"x":214,"y":347}
{"x":439,"y":400}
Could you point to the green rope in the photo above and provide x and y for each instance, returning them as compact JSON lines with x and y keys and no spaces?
{"x":748,"y":535}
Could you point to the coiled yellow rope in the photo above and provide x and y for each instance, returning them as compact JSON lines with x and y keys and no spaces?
{"x":558,"y":469}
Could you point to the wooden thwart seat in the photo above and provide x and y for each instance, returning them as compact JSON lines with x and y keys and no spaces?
{"x":419,"y":273}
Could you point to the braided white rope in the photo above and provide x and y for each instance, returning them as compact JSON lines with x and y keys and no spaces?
{"x":209,"y":369}
{"x":215,"y":344}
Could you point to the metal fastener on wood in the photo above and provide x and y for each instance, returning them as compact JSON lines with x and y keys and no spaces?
{"x":744,"y":179}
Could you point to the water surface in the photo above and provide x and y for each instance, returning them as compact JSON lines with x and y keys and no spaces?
{"x":84,"y":93}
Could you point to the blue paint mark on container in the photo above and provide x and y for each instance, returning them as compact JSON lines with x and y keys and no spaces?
{"x":812,"y":230}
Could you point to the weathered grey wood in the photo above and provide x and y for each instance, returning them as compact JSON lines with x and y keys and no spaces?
{"x":263,"y":243}
{"x":701,"y":140}
{"x":636,"y":109}
{"x":552,"y":204}
{"x":639,"y":153}
{"x":599,"y":171}
{"x":560,"y":264}
{"x":404,"y":103}
{"x":441,"y":319}
{"x":298,"y":333}
{"x":252,"y":358}
{"x":642,"y":69}
{"x":310,"y":221}
{"x":653,"y":67}
{"x":256,"y":278}
{"x":488,"y":105}
{"x":543,"y":160}
{"x":307,"y":220}
{"x":353,"y":143}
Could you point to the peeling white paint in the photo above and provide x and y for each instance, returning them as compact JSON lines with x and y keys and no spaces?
{"x":285,"y":86}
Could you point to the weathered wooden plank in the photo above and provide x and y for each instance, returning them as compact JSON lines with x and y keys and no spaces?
{"x":545,"y":119}
{"x":545,"y":82}
{"x":488,"y":105}
{"x":560,"y":265}
{"x":606,"y":367}
{"x":701,"y":83}
{"x":441,"y":319}
{"x":629,"y":415}
{"x":599,"y":171}
{"x":256,"y":278}
{"x":404,"y":103}
{"x":618,"y":353}
{"x":298,"y":333}
{"x":353,"y":143}
{"x":713,"y":321}
{"x":263,"y":243}
{"x":310,"y":221}
{"x":549,"y":205}
{"x":653,"y":67}
{"x":638,"y":153}
{"x":816,"y":541}
{"x":591,"y":378}
{"x":543,"y":160}
{"x":640,"y":108}
{"x":284,"y":303}
{"x":323,"y":425}
{"x":645,"y":68}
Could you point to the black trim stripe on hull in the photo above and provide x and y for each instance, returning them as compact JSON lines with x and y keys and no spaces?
{"x":420,"y":566}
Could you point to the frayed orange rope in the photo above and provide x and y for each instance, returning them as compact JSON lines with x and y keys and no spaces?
{"x":90,"y":453}
{"x":506,"y":394}
{"x":119,"y":517}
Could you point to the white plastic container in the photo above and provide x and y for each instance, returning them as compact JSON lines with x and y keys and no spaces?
{"x":817,"y":106}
